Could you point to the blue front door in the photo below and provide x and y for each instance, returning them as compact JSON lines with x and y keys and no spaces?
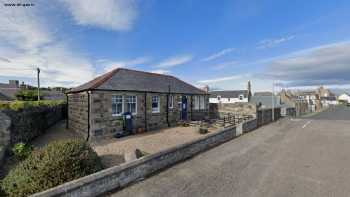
{"x":184,"y":108}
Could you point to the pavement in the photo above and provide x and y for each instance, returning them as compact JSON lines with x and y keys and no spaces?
{"x":291,"y":157}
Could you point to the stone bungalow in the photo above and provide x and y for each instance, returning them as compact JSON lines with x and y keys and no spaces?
{"x":155,"y":100}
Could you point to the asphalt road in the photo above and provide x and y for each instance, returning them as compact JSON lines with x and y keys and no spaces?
{"x":292,"y":157}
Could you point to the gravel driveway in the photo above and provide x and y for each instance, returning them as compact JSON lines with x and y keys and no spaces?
{"x":112,"y":150}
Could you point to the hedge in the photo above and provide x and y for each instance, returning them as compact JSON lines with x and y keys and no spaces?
{"x":19,"y":105}
{"x":55,"y":164}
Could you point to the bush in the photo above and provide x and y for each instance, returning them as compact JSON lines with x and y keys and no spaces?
{"x":55,"y":164}
{"x":21,"y":150}
{"x":19,"y":105}
{"x":27,"y":95}
{"x":203,"y":130}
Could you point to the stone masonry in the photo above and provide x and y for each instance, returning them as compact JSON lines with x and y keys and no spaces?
{"x":103,"y":123}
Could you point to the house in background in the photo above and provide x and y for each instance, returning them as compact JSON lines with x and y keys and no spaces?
{"x":290,"y":99}
{"x":326,"y":96}
{"x":231,"y":96}
{"x":262,"y":93}
{"x":312,"y":98}
{"x":8,"y":91}
{"x":155,"y":101}
{"x":344,"y":98}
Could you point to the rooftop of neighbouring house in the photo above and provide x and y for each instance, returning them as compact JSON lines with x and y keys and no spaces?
{"x":122,"y":79}
{"x":228,"y":93}
{"x":263,"y":94}
{"x":8,"y":90}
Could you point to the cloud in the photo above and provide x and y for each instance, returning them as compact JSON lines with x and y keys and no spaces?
{"x":269,"y":43}
{"x":109,"y":65}
{"x":117,"y":15}
{"x":160,"y":71}
{"x":220,"y":79}
{"x":326,"y":65}
{"x":218,"y":54}
{"x":174,"y":61}
{"x":27,"y":43}
{"x":225,"y":65}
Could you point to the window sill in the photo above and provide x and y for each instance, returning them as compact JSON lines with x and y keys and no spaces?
{"x":116,"y":115}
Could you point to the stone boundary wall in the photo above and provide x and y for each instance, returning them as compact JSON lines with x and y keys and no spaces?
{"x":120,"y":176}
{"x":246,"y":127}
{"x":5,"y":123}
{"x":218,"y":110}
{"x":264,"y":116}
{"x":29,"y":123}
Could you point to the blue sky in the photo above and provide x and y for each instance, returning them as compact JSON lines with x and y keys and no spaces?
{"x":222,"y":44}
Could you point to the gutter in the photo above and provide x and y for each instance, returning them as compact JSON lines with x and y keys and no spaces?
{"x":88,"y":131}
{"x":145,"y":103}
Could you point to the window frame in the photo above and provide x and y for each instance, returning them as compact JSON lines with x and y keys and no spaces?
{"x":202,"y":98}
{"x":241,"y":97}
{"x":128,"y":102}
{"x":122,"y":103}
{"x":158,"y":104}
{"x":196,"y":102}
{"x":171,"y":101}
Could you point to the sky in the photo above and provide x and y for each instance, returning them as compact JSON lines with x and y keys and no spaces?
{"x":223,"y":44}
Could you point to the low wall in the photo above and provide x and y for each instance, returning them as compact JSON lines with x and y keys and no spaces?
{"x":218,"y":110}
{"x":120,"y":176}
{"x":264,"y":116}
{"x":5,"y":124}
{"x":246,"y":127}
{"x":29,"y":123}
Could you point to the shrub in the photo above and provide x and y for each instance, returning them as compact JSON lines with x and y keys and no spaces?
{"x":22,"y":150}
{"x":55,"y":164}
{"x":27,"y":95}
{"x":19,"y":105}
{"x":203,"y":130}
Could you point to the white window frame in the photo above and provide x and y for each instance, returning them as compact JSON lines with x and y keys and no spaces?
{"x":201,"y":98}
{"x":196,"y":102}
{"x":127,"y":102}
{"x":241,"y":97}
{"x":158,"y":101}
{"x":122,"y":98}
{"x":171,"y":101}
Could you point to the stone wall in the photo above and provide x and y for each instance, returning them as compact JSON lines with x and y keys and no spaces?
{"x":103,"y":123}
{"x":264,"y":116}
{"x":31,"y":122}
{"x":26,"y":124}
{"x":78,"y":113}
{"x":218,"y":110}
{"x":120,"y":176}
{"x":5,"y":123}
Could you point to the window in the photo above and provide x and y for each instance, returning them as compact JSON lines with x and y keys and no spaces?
{"x":202,"y":102}
{"x":171,"y":101}
{"x":131,"y":104}
{"x":117,"y":105}
{"x":196,"y":102}
{"x":219,"y":97}
{"x":155,"y":104}
{"x":241,"y":97}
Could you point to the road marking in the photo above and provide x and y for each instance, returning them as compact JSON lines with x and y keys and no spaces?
{"x":305,"y":125}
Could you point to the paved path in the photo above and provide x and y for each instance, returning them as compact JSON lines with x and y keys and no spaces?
{"x":298,"y":157}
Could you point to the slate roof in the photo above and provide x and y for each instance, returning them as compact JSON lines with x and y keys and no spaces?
{"x":329,"y":98}
{"x":266,"y":101}
{"x":3,"y":97}
{"x":263,"y":94}
{"x":228,"y":93}
{"x":133,"y":80}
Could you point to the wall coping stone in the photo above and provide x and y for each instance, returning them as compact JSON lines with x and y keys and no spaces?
{"x":66,"y":188}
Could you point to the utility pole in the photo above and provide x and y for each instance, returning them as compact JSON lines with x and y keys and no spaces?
{"x":273,"y":100}
{"x":38,"y":70}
